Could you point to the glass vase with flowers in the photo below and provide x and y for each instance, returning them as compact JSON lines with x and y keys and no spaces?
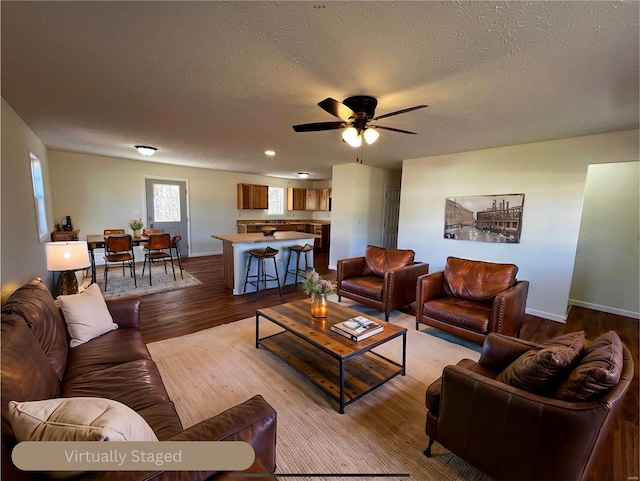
{"x":318,"y":288}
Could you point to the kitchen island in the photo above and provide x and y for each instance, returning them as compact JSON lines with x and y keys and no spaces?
{"x":235,"y":248}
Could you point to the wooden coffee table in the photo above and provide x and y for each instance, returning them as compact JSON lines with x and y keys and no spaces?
{"x":344,"y":369}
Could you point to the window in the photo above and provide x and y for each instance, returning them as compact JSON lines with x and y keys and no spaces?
{"x":166,"y":203}
{"x":276,"y":201}
{"x":38,"y":196}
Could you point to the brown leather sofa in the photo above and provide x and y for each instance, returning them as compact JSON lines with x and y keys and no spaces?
{"x":383,"y":278}
{"x":38,"y":364}
{"x":472,"y":298}
{"x":513,"y":434}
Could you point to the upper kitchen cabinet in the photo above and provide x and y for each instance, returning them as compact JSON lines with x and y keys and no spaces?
{"x":312,"y":199}
{"x":296,"y":198}
{"x":323,"y":199}
{"x":251,"y":196}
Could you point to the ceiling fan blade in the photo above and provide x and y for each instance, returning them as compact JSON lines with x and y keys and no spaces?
{"x":400,"y":112}
{"x":319,"y":126}
{"x":337,"y":109}
{"x":391,"y":128}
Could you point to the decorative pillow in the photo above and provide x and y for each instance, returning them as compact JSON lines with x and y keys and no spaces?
{"x":538,"y":370}
{"x":598,"y":370}
{"x":77,"y":419}
{"x":87,"y":315}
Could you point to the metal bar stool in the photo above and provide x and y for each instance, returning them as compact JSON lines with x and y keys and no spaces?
{"x":298,"y":272}
{"x":261,"y":275}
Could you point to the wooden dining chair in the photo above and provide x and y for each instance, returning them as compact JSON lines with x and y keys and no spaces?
{"x":158,"y":245}
{"x":147,"y":233}
{"x":119,"y":249}
{"x":174,"y":245}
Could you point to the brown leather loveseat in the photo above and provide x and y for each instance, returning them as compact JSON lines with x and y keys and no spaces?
{"x":383,"y":278}
{"x":38,"y":364}
{"x":472,"y":298}
{"x":528,"y":411}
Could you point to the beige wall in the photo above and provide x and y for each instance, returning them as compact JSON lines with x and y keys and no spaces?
{"x":552,"y":176}
{"x":611,"y":224}
{"x":23,"y":253}
{"x":106,"y":192}
{"x":358,"y":208}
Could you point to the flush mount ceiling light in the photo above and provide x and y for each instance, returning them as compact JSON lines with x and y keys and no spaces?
{"x":146,"y":150}
{"x":303,"y":175}
{"x":270,"y":152}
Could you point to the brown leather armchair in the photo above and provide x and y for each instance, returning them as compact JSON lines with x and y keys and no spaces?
{"x":382,"y":278}
{"x":512,"y":434}
{"x":471,"y":298}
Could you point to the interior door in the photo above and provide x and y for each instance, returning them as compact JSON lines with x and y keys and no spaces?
{"x":167,"y":208}
{"x":391,"y":216}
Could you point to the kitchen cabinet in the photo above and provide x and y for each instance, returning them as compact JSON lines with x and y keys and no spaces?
{"x":312,"y":199}
{"x":323,"y":199}
{"x":296,"y":198}
{"x":252,"y":196}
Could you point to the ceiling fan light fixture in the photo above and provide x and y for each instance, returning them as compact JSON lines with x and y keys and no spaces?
{"x":352,"y":137}
{"x":146,"y":150}
{"x":370,"y":135}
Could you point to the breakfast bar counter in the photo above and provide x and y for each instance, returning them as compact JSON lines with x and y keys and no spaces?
{"x":235,"y":248}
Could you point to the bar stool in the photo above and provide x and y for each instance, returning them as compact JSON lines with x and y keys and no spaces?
{"x":298,"y":272}
{"x":261,"y":275}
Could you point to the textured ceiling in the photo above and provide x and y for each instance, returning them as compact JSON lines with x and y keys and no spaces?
{"x":215,"y":84}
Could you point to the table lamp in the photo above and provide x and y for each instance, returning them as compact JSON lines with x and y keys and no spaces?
{"x":66,"y":258}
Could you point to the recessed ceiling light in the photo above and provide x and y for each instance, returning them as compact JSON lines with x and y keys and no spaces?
{"x":303,"y":175}
{"x":270,"y":152}
{"x":146,"y":150}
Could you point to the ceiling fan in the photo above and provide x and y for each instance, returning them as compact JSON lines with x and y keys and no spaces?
{"x":355,"y":113}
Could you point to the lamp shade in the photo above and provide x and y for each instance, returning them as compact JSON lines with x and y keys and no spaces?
{"x":371,"y":135}
{"x":67,"y":256}
{"x":352,"y":137}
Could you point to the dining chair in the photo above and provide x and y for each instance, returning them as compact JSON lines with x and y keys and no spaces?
{"x":174,"y":245}
{"x":158,"y":244}
{"x":119,"y":249}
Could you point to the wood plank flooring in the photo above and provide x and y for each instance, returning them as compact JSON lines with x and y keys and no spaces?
{"x":181,"y":312}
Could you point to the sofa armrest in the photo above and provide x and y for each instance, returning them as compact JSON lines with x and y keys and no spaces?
{"x":428,"y":287}
{"x":498,"y":351}
{"x":502,"y":429}
{"x":400,"y":284}
{"x":253,"y":421}
{"x":125,"y":310}
{"x":348,"y":268}
{"x":508,"y":309}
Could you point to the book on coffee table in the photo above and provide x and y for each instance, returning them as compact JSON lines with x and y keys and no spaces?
{"x":357,"y":328}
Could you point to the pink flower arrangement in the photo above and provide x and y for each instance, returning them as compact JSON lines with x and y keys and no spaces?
{"x":314,"y":284}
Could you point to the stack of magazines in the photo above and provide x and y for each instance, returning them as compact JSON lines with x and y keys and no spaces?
{"x":357,"y":328}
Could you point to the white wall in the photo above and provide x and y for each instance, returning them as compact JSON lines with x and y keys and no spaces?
{"x":610,"y":224}
{"x":23,"y":255}
{"x":106,"y":192}
{"x":357,"y":208}
{"x":552,"y":176}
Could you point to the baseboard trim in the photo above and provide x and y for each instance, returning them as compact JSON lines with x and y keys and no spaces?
{"x":204,"y":254}
{"x":546,"y":315}
{"x":607,"y":309}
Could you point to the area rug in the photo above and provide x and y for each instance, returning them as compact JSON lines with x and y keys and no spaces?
{"x":381,"y":433}
{"x":120,"y":284}
{"x":432,"y":331}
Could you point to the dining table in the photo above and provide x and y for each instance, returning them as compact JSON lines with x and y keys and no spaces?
{"x":98,"y":241}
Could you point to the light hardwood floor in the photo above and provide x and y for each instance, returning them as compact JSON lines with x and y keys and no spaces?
{"x":181,"y":312}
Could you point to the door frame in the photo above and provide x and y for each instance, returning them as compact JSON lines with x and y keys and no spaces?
{"x":187,"y":206}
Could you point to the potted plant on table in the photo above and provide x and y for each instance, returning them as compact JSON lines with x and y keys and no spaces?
{"x":318,"y":288}
{"x":136,"y":226}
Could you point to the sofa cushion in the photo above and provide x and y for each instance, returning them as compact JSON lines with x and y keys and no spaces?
{"x":370,"y":287}
{"x":459,"y":312}
{"x":598,"y":370}
{"x":378,"y":260}
{"x":22,"y":357}
{"x":477,"y":280}
{"x":34,"y":303}
{"x":86,"y":315}
{"x":539,"y":370}
{"x":77,"y":419}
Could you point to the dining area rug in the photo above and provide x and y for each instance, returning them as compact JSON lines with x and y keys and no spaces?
{"x":120,"y":284}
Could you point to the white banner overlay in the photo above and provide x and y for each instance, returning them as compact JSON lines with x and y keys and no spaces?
{"x":133,"y":456}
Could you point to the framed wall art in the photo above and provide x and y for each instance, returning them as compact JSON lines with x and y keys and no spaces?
{"x":484,"y":218}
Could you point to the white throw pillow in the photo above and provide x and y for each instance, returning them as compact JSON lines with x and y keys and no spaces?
{"x":77,"y":419}
{"x":87,"y":315}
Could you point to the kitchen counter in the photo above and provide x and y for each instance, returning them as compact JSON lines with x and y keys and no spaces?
{"x":235,"y":248}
